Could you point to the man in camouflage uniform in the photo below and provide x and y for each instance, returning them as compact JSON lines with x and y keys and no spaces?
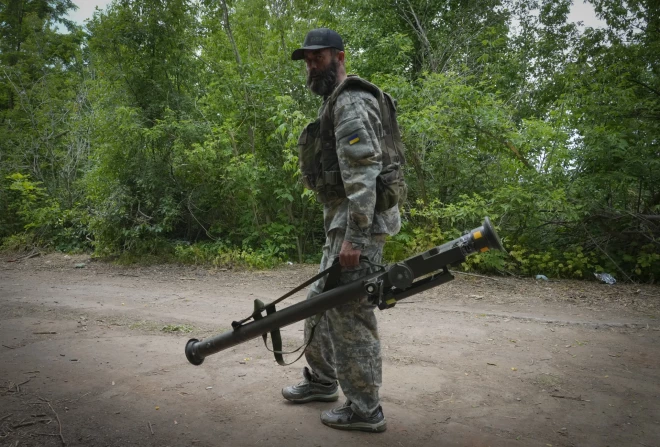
{"x":346,"y":348}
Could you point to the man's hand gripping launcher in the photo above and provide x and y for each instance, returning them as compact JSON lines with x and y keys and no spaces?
{"x":384,"y":288}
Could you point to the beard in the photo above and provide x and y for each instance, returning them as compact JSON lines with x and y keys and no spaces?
{"x":323,"y":82}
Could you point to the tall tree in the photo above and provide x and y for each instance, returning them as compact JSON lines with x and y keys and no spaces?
{"x":39,"y":71}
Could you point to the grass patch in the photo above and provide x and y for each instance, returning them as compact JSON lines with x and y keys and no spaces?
{"x":177,"y":328}
{"x":145,"y":326}
{"x":548,"y":380}
{"x":153,"y":326}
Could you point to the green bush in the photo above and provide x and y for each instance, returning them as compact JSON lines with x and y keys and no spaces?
{"x":220,"y":254}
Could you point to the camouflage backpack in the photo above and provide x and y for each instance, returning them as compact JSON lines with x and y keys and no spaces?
{"x":317,"y":151}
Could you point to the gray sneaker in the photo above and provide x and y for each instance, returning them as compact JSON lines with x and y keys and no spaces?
{"x":344,"y":418}
{"x":311,"y":389}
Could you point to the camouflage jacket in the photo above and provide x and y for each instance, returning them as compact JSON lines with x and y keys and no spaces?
{"x":356,"y":113}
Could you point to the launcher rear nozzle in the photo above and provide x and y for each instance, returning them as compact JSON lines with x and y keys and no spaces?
{"x":485,"y":238}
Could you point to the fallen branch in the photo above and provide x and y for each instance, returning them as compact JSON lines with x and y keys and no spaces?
{"x":579,"y":398}
{"x":5,"y":417}
{"x":45,"y":333}
{"x":444,"y":421}
{"x":150,"y":427}
{"x":28,"y":256}
{"x":82,"y":396}
{"x":450,"y":398}
{"x":25,"y":424}
{"x":18,"y":386}
{"x":59,"y":423}
{"x":8,"y":347}
{"x":472,"y":274}
{"x":510,"y":274}
{"x":641,"y":293}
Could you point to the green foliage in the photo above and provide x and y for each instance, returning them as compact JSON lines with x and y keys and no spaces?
{"x":168,"y":130}
{"x":44,"y":222}
{"x":220,"y":254}
{"x":568,"y":264}
{"x":647,"y":262}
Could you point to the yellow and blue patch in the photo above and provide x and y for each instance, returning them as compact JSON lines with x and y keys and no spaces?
{"x":353,"y":139}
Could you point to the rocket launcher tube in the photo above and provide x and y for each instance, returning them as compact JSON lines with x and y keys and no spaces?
{"x":197,"y":350}
{"x":384,"y":288}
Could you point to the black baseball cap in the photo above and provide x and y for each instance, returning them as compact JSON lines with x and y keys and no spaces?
{"x":316,"y":39}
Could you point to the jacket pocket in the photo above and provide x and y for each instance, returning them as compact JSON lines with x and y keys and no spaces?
{"x":390,"y":188}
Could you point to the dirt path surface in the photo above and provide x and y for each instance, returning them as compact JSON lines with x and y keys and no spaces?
{"x":96,"y":352}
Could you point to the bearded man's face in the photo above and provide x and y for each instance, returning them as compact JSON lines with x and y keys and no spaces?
{"x":322,"y":72}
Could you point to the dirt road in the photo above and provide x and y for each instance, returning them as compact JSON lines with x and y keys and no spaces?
{"x":96,"y":353}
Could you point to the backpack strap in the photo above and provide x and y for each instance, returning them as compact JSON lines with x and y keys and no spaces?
{"x":391,"y":129}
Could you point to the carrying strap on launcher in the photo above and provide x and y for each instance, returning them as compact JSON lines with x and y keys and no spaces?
{"x":333,"y":273}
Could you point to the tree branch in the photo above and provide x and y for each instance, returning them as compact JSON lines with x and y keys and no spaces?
{"x":507,"y":143}
{"x":646,"y":86}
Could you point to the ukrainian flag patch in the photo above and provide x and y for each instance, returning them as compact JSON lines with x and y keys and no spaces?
{"x":353,"y":139}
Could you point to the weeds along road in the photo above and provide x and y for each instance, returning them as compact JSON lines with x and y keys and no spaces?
{"x":94,"y":356}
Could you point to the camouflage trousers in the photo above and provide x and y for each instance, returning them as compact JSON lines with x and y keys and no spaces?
{"x":346,"y":346}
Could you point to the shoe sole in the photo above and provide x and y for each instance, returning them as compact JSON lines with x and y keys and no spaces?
{"x":315,"y":398}
{"x":359,"y":426}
